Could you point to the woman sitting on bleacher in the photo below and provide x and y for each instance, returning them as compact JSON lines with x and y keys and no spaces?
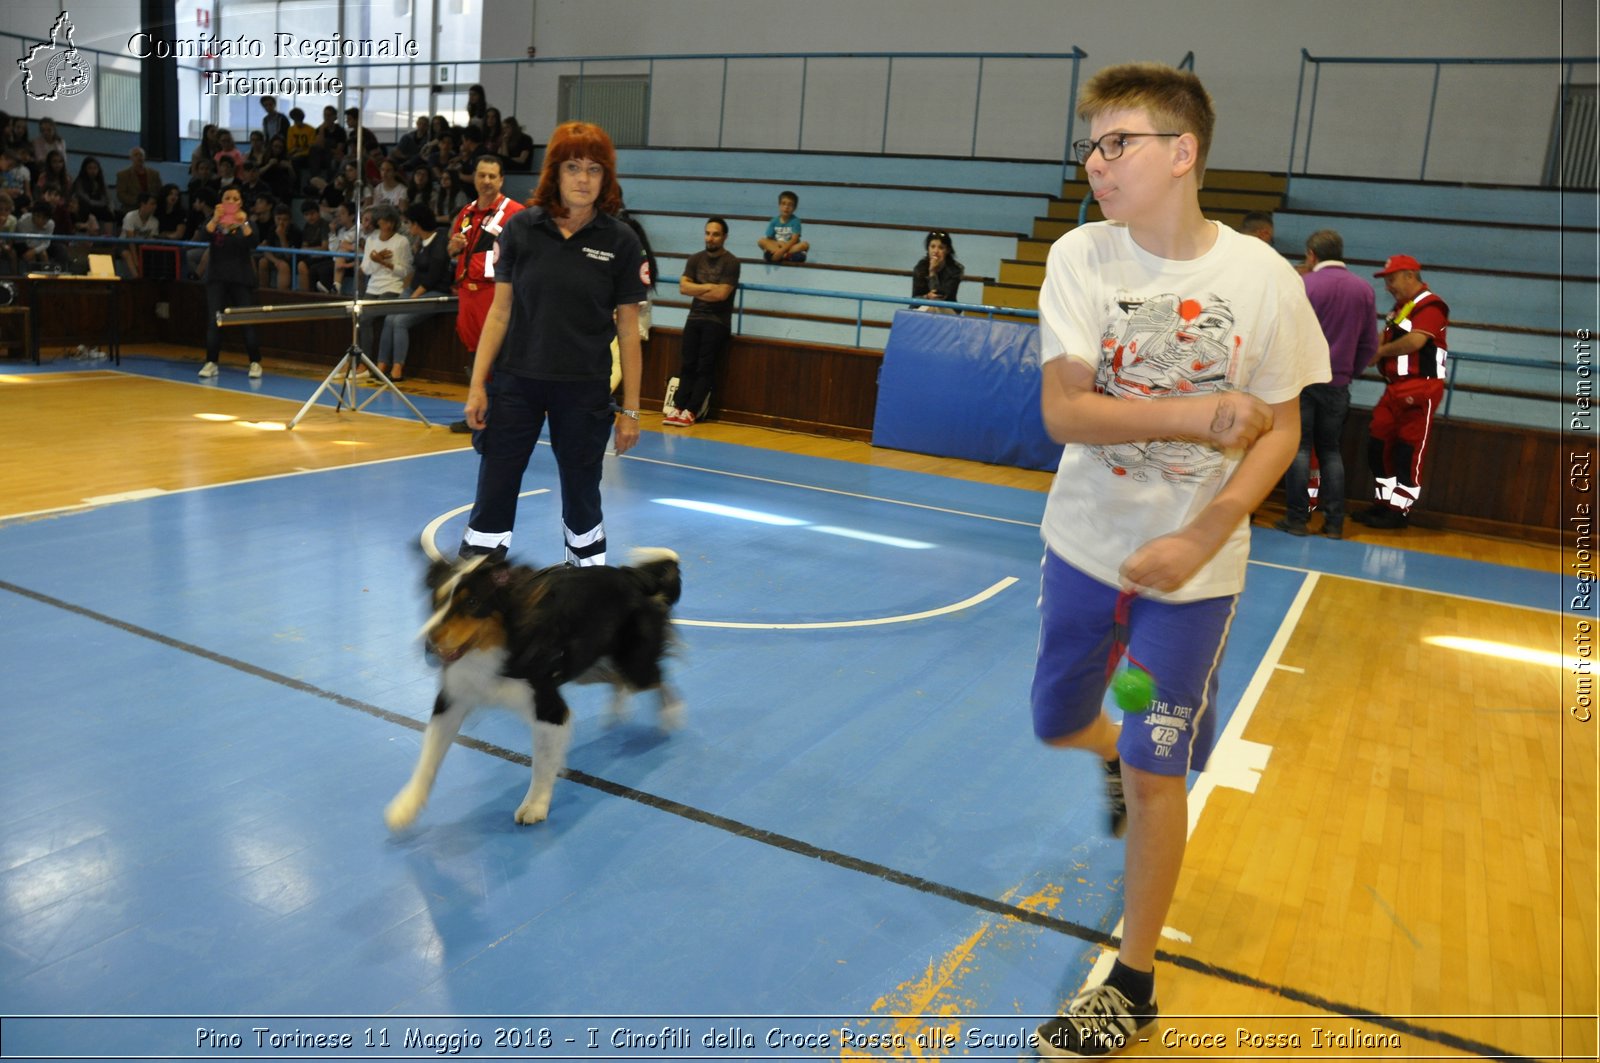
{"x":938,"y":275}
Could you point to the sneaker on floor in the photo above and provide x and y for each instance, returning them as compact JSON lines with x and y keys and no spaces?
{"x":1392,"y":519}
{"x":679,"y":419}
{"x":467,"y":551}
{"x":1293,"y":527}
{"x":1333,"y":531}
{"x":1115,"y":800}
{"x":1098,"y":1022}
{"x":255,"y":370}
{"x":209,"y":369}
{"x":460,"y":428}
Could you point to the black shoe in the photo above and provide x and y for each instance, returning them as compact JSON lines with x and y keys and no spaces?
{"x":1293,"y":527}
{"x":1365,"y":516}
{"x":1391,"y":519}
{"x":1099,"y":1022}
{"x":460,"y":428}
{"x":1333,"y":531}
{"x":468,"y":551}
{"x":1115,"y":800}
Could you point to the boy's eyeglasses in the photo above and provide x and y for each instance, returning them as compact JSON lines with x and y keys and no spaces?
{"x":1111,"y":145}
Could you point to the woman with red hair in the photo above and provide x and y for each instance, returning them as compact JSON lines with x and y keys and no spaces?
{"x":568,"y":278}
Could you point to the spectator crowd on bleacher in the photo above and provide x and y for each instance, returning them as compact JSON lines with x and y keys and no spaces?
{"x":302,"y":185}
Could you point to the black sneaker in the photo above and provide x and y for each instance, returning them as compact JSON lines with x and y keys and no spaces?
{"x":460,"y":428}
{"x":1387,"y":518}
{"x":1098,"y":1022}
{"x":1118,"y":804}
{"x":1293,"y":527}
{"x":468,"y":551}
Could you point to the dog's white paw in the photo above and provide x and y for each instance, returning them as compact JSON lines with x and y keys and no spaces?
{"x":403,"y":810}
{"x":534,"y":809}
{"x":672,"y":712}
{"x":618,"y":711}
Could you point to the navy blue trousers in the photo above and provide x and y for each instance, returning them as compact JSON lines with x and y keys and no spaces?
{"x":580,"y":417}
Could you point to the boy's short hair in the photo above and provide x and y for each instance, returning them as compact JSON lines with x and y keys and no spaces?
{"x":790,"y":196}
{"x":1255,"y":222}
{"x":716,"y":220}
{"x":1174,"y":99}
{"x":310,"y":205}
{"x":296,"y":114}
{"x":419,"y":214}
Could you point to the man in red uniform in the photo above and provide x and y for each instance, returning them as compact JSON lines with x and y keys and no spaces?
{"x":1411,"y":356}
{"x":473,"y":235}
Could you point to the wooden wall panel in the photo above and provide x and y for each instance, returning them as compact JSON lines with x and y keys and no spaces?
{"x":779,"y":383}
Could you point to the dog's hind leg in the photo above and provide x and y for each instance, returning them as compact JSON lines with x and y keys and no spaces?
{"x":671,"y":713}
{"x":443,"y":727}
{"x":552,"y":734}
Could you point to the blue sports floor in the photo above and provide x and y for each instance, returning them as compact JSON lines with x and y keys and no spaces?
{"x":211,"y":695}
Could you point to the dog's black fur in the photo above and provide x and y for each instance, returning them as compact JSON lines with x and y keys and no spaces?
{"x":512,"y":636}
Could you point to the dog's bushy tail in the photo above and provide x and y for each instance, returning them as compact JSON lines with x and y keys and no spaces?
{"x":656,"y":571}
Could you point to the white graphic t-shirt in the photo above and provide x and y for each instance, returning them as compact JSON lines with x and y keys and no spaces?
{"x":1152,"y":329}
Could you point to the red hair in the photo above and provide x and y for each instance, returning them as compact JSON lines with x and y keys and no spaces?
{"x":578,"y":140}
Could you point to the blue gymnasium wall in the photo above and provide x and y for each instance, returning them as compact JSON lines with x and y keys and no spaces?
{"x":963,"y":387}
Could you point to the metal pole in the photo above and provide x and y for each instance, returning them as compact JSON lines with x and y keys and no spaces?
{"x":977,"y":108}
{"x":1432,"y":101}
{"x":800,"y":134}
{"x":1072,"y":111}
{"x":883,"y":144}
{"x":722,"y":107}
{"x":1311,"y":117}
{"x":1294,"y":131}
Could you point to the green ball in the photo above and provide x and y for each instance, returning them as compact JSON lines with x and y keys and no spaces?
{"x":1133,"y":689}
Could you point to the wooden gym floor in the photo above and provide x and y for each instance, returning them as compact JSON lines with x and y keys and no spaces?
{"x":213,"y":689}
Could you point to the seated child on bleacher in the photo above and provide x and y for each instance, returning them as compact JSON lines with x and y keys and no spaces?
{"x":939,"y":274}
{"x":783,"y":242}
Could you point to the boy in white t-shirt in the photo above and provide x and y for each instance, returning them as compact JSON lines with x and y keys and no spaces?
{"x":1174,"y":350}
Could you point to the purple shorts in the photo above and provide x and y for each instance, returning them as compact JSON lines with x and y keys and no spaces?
{"x":1179,"y":643}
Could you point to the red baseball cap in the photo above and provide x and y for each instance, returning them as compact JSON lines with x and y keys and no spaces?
{"x":1397,"y":263}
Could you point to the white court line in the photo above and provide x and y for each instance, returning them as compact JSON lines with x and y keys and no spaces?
{"x":125,"y":496}
{"x":87,"y":504}
{"x":837,"y":491}
{"x":904,"y":618}
{"x":1417,"y":590}
{"x":1235,"y":762}
{"x":430,"y":548}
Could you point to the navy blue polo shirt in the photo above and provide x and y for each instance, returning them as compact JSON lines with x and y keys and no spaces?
{"x":564,"y":293}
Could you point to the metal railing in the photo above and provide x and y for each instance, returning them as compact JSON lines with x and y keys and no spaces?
{"x":1567,"y":64}
{"x":861,"y":299}
{"x":406,"y":79}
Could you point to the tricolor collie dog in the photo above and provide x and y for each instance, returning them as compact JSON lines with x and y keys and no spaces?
{"x":511,"y":636}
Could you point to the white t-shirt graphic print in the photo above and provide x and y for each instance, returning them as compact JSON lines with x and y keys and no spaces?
{"x":1155,"y":329}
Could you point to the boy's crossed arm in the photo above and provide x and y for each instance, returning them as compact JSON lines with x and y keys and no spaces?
{"x":1074,"y":412}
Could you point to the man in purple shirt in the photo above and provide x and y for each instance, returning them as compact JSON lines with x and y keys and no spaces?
{"x":1346,"y":307}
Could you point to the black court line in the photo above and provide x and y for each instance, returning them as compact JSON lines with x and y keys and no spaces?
{"x":762,"y":836}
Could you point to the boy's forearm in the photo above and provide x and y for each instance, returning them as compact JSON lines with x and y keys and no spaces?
{"x":1255,"y":476}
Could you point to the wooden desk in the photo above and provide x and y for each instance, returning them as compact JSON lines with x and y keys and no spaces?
{"x":113,"y":285}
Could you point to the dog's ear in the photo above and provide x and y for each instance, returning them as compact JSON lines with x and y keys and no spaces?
{"x":438,"y":572}
{"x":500,"y":574}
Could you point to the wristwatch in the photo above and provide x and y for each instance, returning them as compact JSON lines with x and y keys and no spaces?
{"x":629,"y":413}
